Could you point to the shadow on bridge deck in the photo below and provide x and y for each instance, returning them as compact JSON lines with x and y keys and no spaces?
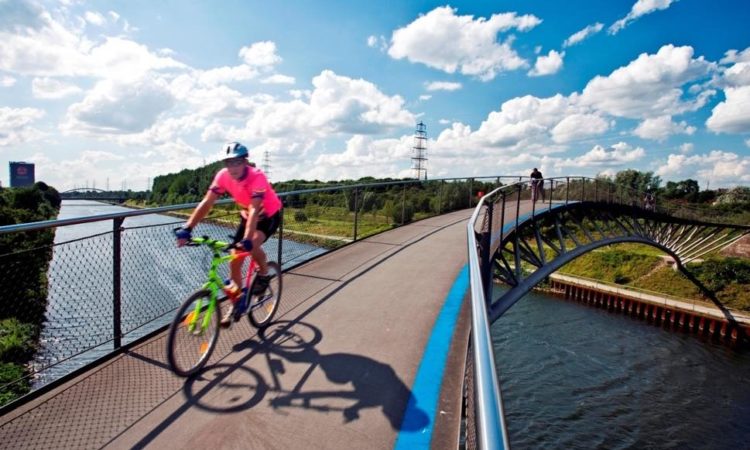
{"x":335,"y":370}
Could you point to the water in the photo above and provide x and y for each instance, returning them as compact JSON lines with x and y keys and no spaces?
{"x":578,"y":377}
{"x":155,"y":277}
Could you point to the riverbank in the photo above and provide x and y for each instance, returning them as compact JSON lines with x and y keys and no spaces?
{"x":687,"y":315}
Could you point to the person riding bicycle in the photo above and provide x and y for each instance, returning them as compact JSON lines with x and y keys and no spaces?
{"x":260,"y":216}
{"x":537,"y":181}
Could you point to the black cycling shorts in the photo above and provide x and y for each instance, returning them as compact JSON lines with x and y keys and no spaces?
{"x":267,"y":225}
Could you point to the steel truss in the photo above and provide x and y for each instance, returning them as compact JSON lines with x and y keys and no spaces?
{"x":524,"y":252}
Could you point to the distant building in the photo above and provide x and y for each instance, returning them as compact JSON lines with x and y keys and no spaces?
{"x":21,"y":174}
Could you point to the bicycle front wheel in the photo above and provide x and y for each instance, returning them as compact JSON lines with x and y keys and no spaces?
{"x":264,"y":306}
{"x":193,"y":334}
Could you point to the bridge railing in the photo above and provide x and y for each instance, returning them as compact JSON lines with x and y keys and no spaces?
{"x":111,"y":279}
{"x":497,"y":214}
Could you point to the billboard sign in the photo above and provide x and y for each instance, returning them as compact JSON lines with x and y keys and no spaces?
{"x":21,"y":174}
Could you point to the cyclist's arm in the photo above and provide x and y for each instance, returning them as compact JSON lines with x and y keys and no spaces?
{"x":253,"y":213}
{"x":202,"y":209}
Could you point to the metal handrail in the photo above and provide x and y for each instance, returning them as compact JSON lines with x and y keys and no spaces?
{"x":162,"y":209}
{"x":492,"y":432}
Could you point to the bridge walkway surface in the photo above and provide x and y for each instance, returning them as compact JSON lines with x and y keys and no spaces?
{"x":367,"y":351}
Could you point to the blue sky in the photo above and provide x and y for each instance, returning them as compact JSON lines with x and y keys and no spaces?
{"x":117,"y":92}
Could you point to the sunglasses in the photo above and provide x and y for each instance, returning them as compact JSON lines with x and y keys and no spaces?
{"x":234,"y":162}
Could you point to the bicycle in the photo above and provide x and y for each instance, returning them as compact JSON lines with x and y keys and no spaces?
{"x":194,"y":330}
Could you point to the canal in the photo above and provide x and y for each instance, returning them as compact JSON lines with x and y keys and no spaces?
{"x":578,"y":377}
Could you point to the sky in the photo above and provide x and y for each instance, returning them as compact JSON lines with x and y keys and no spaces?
{"x":110,"y":94}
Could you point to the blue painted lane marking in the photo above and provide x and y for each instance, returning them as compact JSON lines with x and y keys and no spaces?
{"x":416,"y":429}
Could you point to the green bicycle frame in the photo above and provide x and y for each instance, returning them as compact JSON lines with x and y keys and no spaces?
{"x":214,"y":283}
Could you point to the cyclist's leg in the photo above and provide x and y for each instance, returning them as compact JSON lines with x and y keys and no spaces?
{"x":265,"y":229}
{"x":235,"y":265}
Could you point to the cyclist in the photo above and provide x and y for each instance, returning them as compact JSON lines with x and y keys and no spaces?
{"x":260,"y":216}
{"x":536,"y":184}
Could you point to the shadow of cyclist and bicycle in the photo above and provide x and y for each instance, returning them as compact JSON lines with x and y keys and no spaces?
{"x":365,"y":382}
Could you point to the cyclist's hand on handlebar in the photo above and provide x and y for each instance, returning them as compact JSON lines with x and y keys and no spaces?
{"x":245,"y":244}
{"x":183,"y":235}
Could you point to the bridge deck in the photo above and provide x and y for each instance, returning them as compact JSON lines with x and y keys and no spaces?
{"x":336,"y":371}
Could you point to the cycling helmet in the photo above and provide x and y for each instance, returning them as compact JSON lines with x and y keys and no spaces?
{"x":233,"y":150}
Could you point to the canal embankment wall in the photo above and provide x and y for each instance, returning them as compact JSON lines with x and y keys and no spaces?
{"x":691,"y":316}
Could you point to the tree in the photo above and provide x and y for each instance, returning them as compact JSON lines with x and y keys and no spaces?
{"x":637,"y":180}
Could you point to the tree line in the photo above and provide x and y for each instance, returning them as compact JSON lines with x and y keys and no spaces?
{"x":24,"y":260}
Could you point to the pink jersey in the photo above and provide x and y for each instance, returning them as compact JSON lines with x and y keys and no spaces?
{"x":253,"y":185}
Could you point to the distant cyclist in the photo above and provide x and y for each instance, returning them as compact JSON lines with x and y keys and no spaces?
{"x":537,"y":188}
{"x":260,"y":215}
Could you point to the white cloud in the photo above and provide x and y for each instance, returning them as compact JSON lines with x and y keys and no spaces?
{"x":424,"y":97}
{"x":7,"y":81}
{"x":378,"y":42}
{"x":50,"y":88}
{"x":260,"y":54}
{"x":446,"y":122}
{"x":737,"y":75}
{"x":15,"y":125}
{"x":95,"y":18}
{"x":368,"y":153}
{"x":337,"y":104}
{"x":115,"y":17}
{"x":640,"y":8}
{"x":115,"y":107}
{"x":747,"y":143}
{"x":579,"y":126}
{"x":442,"y":86}
{"x":442,"y":40}
{"x":40,"y":43}
{"x":278,"y":79}
{"x":599,"y":156}
{"x":687,"y":147}
{"x":718,"y":167}
{"x":733,"y":56}
{"x":660,"y":128}
{"x":651,"y":85}
{"x":20,"y":15}
{"x":583,"y":34}
{"x":733,"y":114}
{"x":547,"y":65}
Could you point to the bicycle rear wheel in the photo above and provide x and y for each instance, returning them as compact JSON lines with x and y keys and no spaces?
{"x":193,"y":334}
{"x":264,"y":306}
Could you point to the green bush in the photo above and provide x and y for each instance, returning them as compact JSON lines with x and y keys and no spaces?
{"x":716,"y":274}
{"x":16,"y":340}
{"x":13,"y":382}
{"x":300,"y":216}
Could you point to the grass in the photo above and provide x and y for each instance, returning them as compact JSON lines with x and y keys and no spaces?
{"x":612,"y":265}
{"x":16,"y":340}
{"x":17,"y":344}
{"x":641,"y":266}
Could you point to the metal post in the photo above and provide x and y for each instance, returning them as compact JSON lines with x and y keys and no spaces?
{"x":502,"y":219}
{"x":486,"y":261}
{"x":403,"y":204}
{"x":551,"y":191}
{"x":280,"y":238}
{"x":596,"y":190}
{"x":518,"y":205}
{"x":471,"y":188}
{"x":567,"y":189}
{"x":583,"y":189}
{"x":356,"y":198}
{"x":440,"y":197}
{"x":116,"y":280}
